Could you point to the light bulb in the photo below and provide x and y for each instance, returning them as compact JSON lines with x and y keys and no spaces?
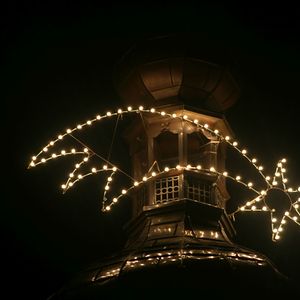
{"x":115,"y":200}
{"x":71,"y":175}
{"x":32,"y":164}
{"x":185,"y":117}
{"x":124,"y":192}
{"x":277,"y":174}
{"x":73,"y":150}
{"x":79,"y":176}
{"x":114,"y":169}
{"x":268,"y":177}
{"x":279,"y":164}
{"x":63,"y":152}
{"x":136,"y":183}
{"x":108,"y":113}
{"x":162,"y":113}
{"x":85,"y":150}
{"x":105,"y":167}
{"x":60,"y":137}
{"x":244,"y":151}
{"x":77,"y":166}
{"x":212,"y":169}
{"x":141,"y":108}
{"x":264,"y":208}
{"x":199,"y":167}
{"x":196,"y":121}
{"x":216,"y":131}
{"x":253,"y":207}
{"x":254,"y":160}
{"x":284,"y":160}
{"x":206,"y":126}
{"x":167,"y":169}
{"x":119,"y":111}
{"x":238,"y":177}
{"x":248,"y":203}
{"x":71,"y":183}
{"x":296,"y":206}
{"x":295,"y":218}
{"x":94,"y":170}
{"x":107,"y":208}
{"x":260,"y":168}
{"x":106,"y":188}
{"x":129,"y":108}
{"x":286,"y":213}
{"x":43,"y":160}
{"x":53,"y":155}
{"x":227,"y":138}
{"x":242,"y":208}
{"x":45,"y":149}
{"x":145,"y":178}
{"x":152,"y":110}
{"x":79,"y":126}
{"x":188,"y":167}
{"x":263,"y":192}
{"x":225,"y":174}
{"x":153,"y":174}
{"x":109,"y":179}
{"x":275,"y":230}
{"x":63,"y":186}
{"x":290,"y":190}
{"x":89,"y":122}
{"x":283,"y":170}
{"x":174,"y":115}
{"x":277,"y":237}
{"x":98,"y":117}
{"x":51,"y":143}
{"x":274,"y":220}
{"x":280,"y":229}
{"x":33,"y":157}
{"x":274,"y":183}
{"x":86,"y":159}
{"x":250,"y":184}
{"x":235,"y":144}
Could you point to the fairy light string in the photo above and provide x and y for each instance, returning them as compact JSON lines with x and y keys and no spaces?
{"x":258,"y":203}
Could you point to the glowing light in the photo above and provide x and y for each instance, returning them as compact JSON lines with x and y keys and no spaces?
{"x":199,"y":167}
{"x":60,"y":137}
{"x":163,"y":113}
{"x":115,"y":200}
{"x":212,"y":169}
{"x":63,"y":152}
{"x":295,"y":218}
{"x":129,"y":108}
{"x":235,"y":144}
{"x":286,"y":213}
{"x":185,"y":117}
{"x":264,"y":208}
{"x":268,"y":177}
{"x":98,"y":117}
{"x":108,"y":113}
{"x":107,"y":208}
{"x":43,"y":160}
{"x":174,"y":115}
{"x":32,"y":164}
{"x":109,"y":179}
{"x":63,"y":186}
{"x":227,"y":138}
{"x":106,"y":188}
{"x":153,"y":174}
{"x":225,"y":174}
{"x":86,"y":159}
{"x":238,"y":178}
{"x":244,"y":151}
{"x":254,"y":160}
{"x":167,"y":169}
{"x":145,"y":178}
{"x":216,"y":131}
{"x":88,"y":122}
{"x":120,"y":111}
{"x":260,"y":168}
{"x":105,"y":167}
{"x":124,"y":192}
{"x":284,"y":160}
{"x":206,"y":126}
{"x":53,"y":155}
{"x":79,"y":127}
{"x":250,"y":184}
{"x":77,"y":166}
{"x":274,"y":220}
{"x":196,"y":121}
{"x":136,"y":183}
{"x":141,"y":108}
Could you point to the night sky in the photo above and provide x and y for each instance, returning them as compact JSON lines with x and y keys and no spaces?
{"x":58,"y":70}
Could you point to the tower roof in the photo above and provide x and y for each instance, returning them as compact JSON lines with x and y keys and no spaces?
{"x":164,"y":71}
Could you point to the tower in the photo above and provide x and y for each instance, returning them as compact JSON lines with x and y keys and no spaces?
{"x":180,"y":232}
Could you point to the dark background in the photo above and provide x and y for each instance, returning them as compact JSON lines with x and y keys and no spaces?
{"x":57,"y":69}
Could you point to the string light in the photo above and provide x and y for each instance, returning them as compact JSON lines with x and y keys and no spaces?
{"x":278,"y":183}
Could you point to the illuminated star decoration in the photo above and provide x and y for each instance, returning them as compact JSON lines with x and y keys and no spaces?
{"x":257,"y":204}
{"x":278,"y":218}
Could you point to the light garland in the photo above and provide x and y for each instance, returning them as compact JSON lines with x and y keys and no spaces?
{"x":252,"y":205}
